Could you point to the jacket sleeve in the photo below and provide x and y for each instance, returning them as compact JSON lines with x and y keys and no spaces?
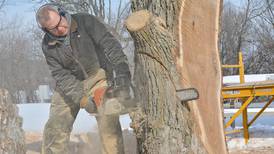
{"x":110,"y":45}
{"x":67,"y":82}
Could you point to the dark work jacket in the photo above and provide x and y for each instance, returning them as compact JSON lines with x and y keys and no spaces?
{"x":91,"y":47}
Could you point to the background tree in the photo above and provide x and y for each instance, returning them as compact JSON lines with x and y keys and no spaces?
{"x":11,"y":132}
{"x":22,"y":63}
{"x":249,"y":28}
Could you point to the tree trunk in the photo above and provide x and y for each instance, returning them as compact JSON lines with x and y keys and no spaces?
{"x":162,"y":124}
{"x":11,"y":132}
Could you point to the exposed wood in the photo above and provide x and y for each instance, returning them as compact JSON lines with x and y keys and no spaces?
{"x":11,"y":132}
{"x":200,"y":68}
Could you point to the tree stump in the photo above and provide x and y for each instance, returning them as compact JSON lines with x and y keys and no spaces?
{"x":11,"y":133}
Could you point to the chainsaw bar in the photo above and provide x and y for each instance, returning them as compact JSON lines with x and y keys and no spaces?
{"x":187,"y":94}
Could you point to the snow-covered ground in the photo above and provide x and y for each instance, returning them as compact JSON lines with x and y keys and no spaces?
{"x":261,"y":137}
{"x":248,"y":78}
{"x":261,"y":132}
{"x":35,"y":116}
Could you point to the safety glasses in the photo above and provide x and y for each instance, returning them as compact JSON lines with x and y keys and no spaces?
{"x":55,"y":28}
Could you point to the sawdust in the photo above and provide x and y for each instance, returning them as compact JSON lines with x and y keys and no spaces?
{"x":84,"y":143}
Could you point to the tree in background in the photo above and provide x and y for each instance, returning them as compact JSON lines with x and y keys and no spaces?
{"x":261,"y":58}
{"x":248,"y":28}
{"x":11,"y":132}
{"x":22,"y":64}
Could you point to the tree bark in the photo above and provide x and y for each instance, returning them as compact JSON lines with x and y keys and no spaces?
{"x":11,"y":132}
{"x":162,"y":124}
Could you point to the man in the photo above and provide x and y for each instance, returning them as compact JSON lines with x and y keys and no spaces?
{"x":82,"y":56}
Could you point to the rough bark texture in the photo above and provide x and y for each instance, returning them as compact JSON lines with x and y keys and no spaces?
{"x":11,"y":132}
{"x":200,"y":68}
{"x":162,"y":124}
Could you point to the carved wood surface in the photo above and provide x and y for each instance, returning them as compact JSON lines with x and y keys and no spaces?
{"x":200,"y":68}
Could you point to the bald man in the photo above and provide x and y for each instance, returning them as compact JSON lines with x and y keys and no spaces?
{"x":83,"y":58}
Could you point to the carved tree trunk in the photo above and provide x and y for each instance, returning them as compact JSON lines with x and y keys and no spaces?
{"x":11,"y":132}
{"x":162,"y":124}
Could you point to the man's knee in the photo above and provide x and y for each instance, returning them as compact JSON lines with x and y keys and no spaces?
{"x":56,"y":137}
{"x":55,"y":141}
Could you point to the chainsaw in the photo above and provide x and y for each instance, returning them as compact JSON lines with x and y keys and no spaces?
{"x":120,"y":105}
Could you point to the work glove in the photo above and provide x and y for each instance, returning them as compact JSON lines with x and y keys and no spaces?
{"x":91,"y":104}
{"x":122,"y":81}
{"x":120,"y":87}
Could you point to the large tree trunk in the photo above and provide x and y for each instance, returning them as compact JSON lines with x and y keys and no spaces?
{"x":163,"y":124}
{"x":11,"y":133}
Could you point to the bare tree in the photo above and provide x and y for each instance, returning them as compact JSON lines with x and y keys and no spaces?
{"x":237,"y":29}
{"x":2,"y":2}
{"x":23,"y":67}
{"x":261,"y":44}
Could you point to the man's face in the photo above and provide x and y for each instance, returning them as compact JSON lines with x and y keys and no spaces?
{"x":56,"y":25}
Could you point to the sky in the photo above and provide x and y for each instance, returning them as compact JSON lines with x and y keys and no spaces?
{"x":25,"y":9}
{"x":22,"y":9}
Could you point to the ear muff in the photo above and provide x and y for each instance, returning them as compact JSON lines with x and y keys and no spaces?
{"x":61,"y":11}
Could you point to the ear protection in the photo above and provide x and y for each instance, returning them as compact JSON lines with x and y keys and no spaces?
{"x":55,"y":6}
{"x":61,"y":11}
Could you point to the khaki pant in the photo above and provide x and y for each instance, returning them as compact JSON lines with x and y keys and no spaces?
{"x":57,"y":130}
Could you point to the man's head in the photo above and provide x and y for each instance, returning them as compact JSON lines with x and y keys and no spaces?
{"x":51,"y":20}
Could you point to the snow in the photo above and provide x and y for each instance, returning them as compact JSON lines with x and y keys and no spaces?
{"x":250,"y":110}
{"x":261,"y":131}
{"x":36,"y":115}
{"x":44,"y":93}
{"x":248,"y":78}
{"x":261,"y":136}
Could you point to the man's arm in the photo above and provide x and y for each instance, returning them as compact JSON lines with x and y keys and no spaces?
{"x":67,"y":82}
{"x":111,"y":46}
